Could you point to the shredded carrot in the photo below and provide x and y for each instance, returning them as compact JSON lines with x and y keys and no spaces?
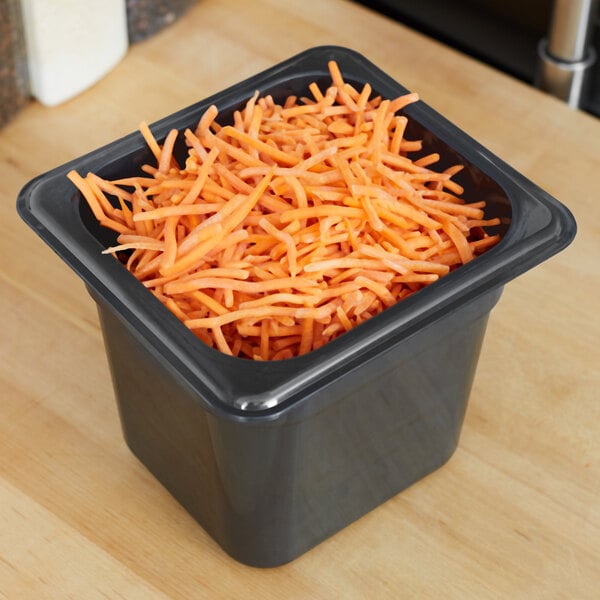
{"x":294,"y":223}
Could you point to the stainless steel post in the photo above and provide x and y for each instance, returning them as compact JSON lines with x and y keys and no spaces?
{"x":566,"y":55}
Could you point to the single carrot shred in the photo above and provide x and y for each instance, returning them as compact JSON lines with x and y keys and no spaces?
{"x":292,"y":225}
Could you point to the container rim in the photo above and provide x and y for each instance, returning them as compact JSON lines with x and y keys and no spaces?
{"x":541,"y":226}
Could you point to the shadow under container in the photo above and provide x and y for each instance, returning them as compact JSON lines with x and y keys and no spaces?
{"x":273,"y":457}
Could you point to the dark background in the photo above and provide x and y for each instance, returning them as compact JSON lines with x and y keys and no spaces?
{"x":502,"y":33}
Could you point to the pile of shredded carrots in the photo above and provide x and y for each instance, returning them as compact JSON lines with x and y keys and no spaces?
{"x":293,"y":224}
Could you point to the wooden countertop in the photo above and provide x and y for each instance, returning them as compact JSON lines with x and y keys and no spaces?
{"x":515,"y":513}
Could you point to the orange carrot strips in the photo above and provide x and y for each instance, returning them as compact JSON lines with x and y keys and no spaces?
{"x":292,"y":224}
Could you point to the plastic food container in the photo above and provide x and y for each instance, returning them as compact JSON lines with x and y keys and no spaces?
{"x":273,"y":457}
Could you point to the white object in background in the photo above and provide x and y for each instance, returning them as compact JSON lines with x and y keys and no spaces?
{"x":71,"y":44}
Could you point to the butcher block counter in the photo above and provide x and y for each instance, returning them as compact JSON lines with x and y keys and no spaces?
{"x":515,"y":513}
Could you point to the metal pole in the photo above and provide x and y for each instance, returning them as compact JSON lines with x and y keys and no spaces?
{"x":566,"y":55}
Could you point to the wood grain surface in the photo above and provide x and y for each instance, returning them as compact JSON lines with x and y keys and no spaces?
{"x":514,"y":514}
